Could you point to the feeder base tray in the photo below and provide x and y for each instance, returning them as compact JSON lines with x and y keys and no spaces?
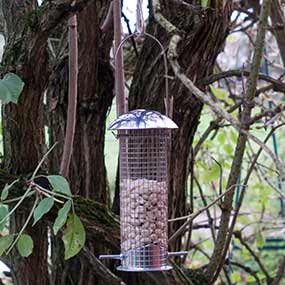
{"x":138,"y":269}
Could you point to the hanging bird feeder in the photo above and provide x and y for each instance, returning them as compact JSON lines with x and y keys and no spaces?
{"x":144,"y":138}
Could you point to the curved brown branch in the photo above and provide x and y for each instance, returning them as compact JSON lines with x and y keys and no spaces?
{"x":277,"y":85}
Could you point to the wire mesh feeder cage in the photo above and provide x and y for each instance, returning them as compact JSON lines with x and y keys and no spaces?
{"x":144,"y":138}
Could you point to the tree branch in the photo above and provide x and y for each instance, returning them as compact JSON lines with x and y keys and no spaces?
{"x":206,"y":99}
{"x":277,"y":85}
{"x":268,"y":113}
{"x":280,"y":273}
{"x":72,"y":97}
{"x":220,"y":245}
{"x":100,"y":269}
{"x":53,"y":12}
{"x":191,"y":217}
{"x":246,"y":269}
{"x":169,"y":27}
{"x":238,"y":235}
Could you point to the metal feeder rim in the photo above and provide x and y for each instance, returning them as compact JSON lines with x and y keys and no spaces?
{"x":122,"y":255}
{"x":142,"y":119}
{"x":140,"y":269}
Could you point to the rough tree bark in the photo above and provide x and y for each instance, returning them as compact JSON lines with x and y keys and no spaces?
{"x":95,"y":93}
{"x":95,"y":87}
{"x":27,"y":29}
{"x":23,"y":125}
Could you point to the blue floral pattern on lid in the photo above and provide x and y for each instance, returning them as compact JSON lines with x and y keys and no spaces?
{"x":142,"y":119}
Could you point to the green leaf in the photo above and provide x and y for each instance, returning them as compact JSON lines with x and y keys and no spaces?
{"x":259,"y":240}
{"x":219,"y":92}
{"x":250,"y":279}
{"x":74,"y":236}
{"x":264,"y":194}
{"x":236,"y":277}
{"x":222,"y":138}
{"x":213,"y":174}
{"x":228,"y":149}
{"x":25,"y":245}
{"x":234,"y":136}
{"x":204,"y":3}
{"x":61,"y":217}
{"x":5,"y":191}
{"x":3,"y":213}
{"x":5,"y":242}
{"x":244,"y":220}
{"x":11,"y":86}
{"x":43,"y":207}
{"x":59,"y":184}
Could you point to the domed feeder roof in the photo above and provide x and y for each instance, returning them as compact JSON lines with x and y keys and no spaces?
{"x":142,"y":119}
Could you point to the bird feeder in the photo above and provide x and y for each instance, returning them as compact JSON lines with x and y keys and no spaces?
{"x":144,"y":138}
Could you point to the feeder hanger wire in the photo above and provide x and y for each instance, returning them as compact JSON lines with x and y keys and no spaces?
{"x":140,"y":32}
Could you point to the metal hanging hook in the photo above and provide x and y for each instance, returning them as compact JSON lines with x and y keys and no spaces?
{"x":168,"y":102}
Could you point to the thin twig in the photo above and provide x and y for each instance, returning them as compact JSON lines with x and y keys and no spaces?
{"x":214,"y":125}
{"x":127,"y":21}
{"x":268,"y":113}
{"x":24,"y":226}
{"x":239,"y":204}
{"x":42,"y":161}
{"x":26,"y":194}
{"x":206,"y":99}
{"x":246,"y":269}
{"x":277,"y":85}
{"x":210,"y":219}
{"x":18,"y":198}
{"x":53,"y":193}
{"x":238,"y":235}
{"x":191,"y":217}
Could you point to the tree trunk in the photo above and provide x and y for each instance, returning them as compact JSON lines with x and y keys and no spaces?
{"x":95,"y":93}
{"x":23,"y":128}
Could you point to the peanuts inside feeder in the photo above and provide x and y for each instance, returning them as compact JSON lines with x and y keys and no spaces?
{"x":144,"y":138}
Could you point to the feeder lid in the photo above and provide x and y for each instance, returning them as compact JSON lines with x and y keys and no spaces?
{"x":142,"y":119}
